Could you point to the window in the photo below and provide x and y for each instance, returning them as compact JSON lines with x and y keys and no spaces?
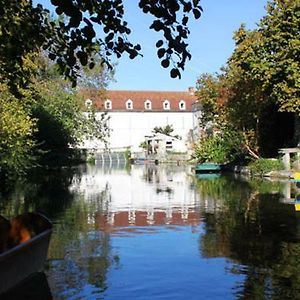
{"x":182,"y":105}
{"x":148,"y":104}
{"x":129,"y":104}
{"x":88,"y":103}
{"x":169,"y":145}
{"x":107,"y":104}
{"x":166,"y":104}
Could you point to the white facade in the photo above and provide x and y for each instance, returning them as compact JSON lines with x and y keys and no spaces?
{"x":134,"y":114}
{"x":130,"y":129}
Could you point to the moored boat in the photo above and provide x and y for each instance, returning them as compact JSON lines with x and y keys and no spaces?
{"x":28,"y":257}
{"x":208,"y":168}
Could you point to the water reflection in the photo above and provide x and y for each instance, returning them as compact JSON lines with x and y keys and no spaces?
{"x":254,"y":228}
{"x":157,"y":232}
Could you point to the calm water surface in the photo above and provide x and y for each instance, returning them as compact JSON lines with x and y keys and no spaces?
{"x":156,"y":232}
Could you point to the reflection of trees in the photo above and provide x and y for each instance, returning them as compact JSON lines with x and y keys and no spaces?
{"x":80,"y":250}
{"x":43,"y":190}
{"x":79,"y":254}
{"x":250,"y":226}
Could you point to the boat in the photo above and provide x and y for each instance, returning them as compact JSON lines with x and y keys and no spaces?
{"x":208,"y":168}
{"x":28,"y":257}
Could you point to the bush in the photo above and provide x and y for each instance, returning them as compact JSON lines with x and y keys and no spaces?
{"x":224,"y":147}
{"x":263,"y":166}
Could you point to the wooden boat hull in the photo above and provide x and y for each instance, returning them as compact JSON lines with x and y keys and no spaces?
{"x":21,"y":261}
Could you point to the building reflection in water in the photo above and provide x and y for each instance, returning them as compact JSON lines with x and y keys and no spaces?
{"x":151,"y":195}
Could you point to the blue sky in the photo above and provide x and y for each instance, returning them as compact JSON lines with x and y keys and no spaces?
{"x":210,"y":44}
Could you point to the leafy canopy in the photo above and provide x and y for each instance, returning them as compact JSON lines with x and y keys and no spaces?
{"x":259,"y":87}
{"x":16,"y":132}
{"x":72,"y":39}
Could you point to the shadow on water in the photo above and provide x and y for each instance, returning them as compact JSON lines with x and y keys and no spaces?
{"x":35,"y":287}
{"x":44,"y":190}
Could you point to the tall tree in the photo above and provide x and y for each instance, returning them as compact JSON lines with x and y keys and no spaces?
{"x":264,"y":75}
{"x":261,"y":81}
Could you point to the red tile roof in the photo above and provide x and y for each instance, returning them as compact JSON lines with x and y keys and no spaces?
{"x":118,"y":99}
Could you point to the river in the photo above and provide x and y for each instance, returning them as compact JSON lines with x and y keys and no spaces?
{"x":160,"y":232}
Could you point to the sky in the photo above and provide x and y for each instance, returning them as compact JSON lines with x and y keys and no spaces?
{"x":210,"y":44}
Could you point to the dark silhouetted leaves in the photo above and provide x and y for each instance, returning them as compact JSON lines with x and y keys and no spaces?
{"x":161,"y":52}
{"x":175,"y":73}
{"x":71,"y":40}
{"x":165,"y":63}
{"x":197,"y":13}
{"x":159,"y":43}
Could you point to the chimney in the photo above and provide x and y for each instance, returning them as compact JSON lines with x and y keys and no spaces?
{"x":191,"y":90}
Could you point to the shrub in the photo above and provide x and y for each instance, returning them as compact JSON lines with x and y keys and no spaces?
{"x":223,"y":147}
{"x":263,"y":166}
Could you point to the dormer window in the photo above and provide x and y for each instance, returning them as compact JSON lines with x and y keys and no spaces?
{"x":129,"y":104}
{"x":148,"y":104}
{"x":166,"y":105}
{"x":108,"y":104}
{"x":182,"y":105}
{"x":88,"y":103}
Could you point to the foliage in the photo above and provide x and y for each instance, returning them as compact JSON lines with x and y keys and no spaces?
{"x":16,"y":134}
{"x":44,"y":122}
{"x":167,"y":130}
{"x":72,"y":40}
{"x":225,"y":146}
{"x":96,"y":78}
{"x":210,"y":91}
{"x":279,"y":68}
{"x":61,"y":123}
{"x":144,"y":145}
{"x":127,"y":155}
{"x":263,"y":71}
{"x":58,"y":114}
{"x":263,"y":166}
{"x":260,"y":81}
{"x":22,"y":32}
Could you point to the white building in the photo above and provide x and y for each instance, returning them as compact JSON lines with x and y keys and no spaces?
{"x":134,"y":114}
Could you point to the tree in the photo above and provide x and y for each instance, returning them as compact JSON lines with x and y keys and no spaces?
{"x":279,"y":68}
{"x":61,"y":122}
{"x":96,"y":78}
{"x":16,"y":134}
{"x":258,"y":91}
{"x":45,"y":122}
{"x":167,"y":130}
{"x":72,"y":40}
{"x":263,"y":75}
{"x":212,"y":93}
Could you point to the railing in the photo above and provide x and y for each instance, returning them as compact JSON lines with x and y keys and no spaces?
{"x":287,"y":156}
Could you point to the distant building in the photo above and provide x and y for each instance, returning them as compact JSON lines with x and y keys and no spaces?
{"x":159,"y":144}
{"x":134,"y":114}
